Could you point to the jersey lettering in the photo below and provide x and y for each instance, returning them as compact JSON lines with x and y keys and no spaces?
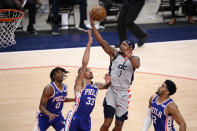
{"x":156,"y":112}
{"x":90,"y":92}
{"x":122,"y":66}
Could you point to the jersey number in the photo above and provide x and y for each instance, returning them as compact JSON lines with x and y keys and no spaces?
{"x":90,"y":101}
{"x":120,"y":73}
{"x":57,"y":105}
{"x":154,"y":119}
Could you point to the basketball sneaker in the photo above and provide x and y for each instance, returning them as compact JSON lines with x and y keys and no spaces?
{"x":55,"y":31}
{"x":101,"y":27}
{"x":83,"y":27}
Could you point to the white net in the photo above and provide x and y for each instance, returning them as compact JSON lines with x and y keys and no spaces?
{"x":9,"y":20}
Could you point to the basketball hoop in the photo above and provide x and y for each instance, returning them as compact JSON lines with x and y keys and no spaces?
{"x":9,"y":20}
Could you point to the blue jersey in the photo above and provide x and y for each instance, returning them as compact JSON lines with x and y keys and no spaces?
{"x":56,"y":102}
{"x":161,"y":121}
{"x":85,"y":101}
{"x":54,"y":105}
{"x":79,"y":117}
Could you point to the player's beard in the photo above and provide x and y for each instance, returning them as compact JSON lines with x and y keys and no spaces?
{"x":157,"y":92}
{"x":91,"y":77}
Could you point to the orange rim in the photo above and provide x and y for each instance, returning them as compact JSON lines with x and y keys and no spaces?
{"x":11,"y":10}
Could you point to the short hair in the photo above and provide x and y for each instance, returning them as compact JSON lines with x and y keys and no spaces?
{"x":170,"y":86}
{"x":130,"y":43}
{"x":55,"y":70}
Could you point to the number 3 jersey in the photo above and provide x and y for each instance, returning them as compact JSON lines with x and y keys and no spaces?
{"x":161,"y":121}
{"x":56,"y":101}
{"x":118,"y":94}
{"x":121,"y":72}
{"x":85,"y":100}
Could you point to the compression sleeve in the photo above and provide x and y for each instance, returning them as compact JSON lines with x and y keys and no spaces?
{"x":147,"y":121}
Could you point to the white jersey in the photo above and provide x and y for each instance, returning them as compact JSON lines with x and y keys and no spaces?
{"x":121,"y":72}
{"x":118,"y":94}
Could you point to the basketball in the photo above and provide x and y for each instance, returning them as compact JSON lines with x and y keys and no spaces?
{"x":98,"y":13}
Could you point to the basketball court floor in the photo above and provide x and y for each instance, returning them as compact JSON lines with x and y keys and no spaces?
{"x":24,"y":74}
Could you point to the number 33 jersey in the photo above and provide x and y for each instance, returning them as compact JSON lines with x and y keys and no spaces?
{"x":56,"y":101}
{"x":85,"y":100}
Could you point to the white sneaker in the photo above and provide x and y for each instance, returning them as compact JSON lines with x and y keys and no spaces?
{"x":101,"y":27}
{"x":96,"y":25}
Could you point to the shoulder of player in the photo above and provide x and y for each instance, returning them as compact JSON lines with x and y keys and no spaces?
{"x":171,"y":108}
{"x":115,"y":54}
{"x":48,"y":89}
{"x":96,"y":84}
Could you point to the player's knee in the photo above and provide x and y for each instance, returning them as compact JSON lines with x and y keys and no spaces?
{"x":106,"y":125}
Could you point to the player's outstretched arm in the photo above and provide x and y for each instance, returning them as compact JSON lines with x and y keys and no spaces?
{"x":105,"y":85}
{"x":69,"y":100}
{"x":47,"y":93}
{"x":112,"y":52}
{"x":176,"y":115}
{"x":85,"y":60}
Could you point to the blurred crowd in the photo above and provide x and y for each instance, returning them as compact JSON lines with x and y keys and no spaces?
{"x":130,"y":9}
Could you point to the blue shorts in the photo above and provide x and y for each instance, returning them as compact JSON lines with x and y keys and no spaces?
{"x":75,"y":122}
{"x":43,"y":122}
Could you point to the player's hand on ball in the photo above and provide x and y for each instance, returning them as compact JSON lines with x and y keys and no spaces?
{"x":91,"y":19}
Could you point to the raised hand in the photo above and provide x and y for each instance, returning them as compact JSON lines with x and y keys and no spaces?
{"x":91,"y":19}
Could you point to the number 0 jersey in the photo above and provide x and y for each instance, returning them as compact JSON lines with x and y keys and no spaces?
{"x":161,"y":121}
{"x":56,"y":102}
